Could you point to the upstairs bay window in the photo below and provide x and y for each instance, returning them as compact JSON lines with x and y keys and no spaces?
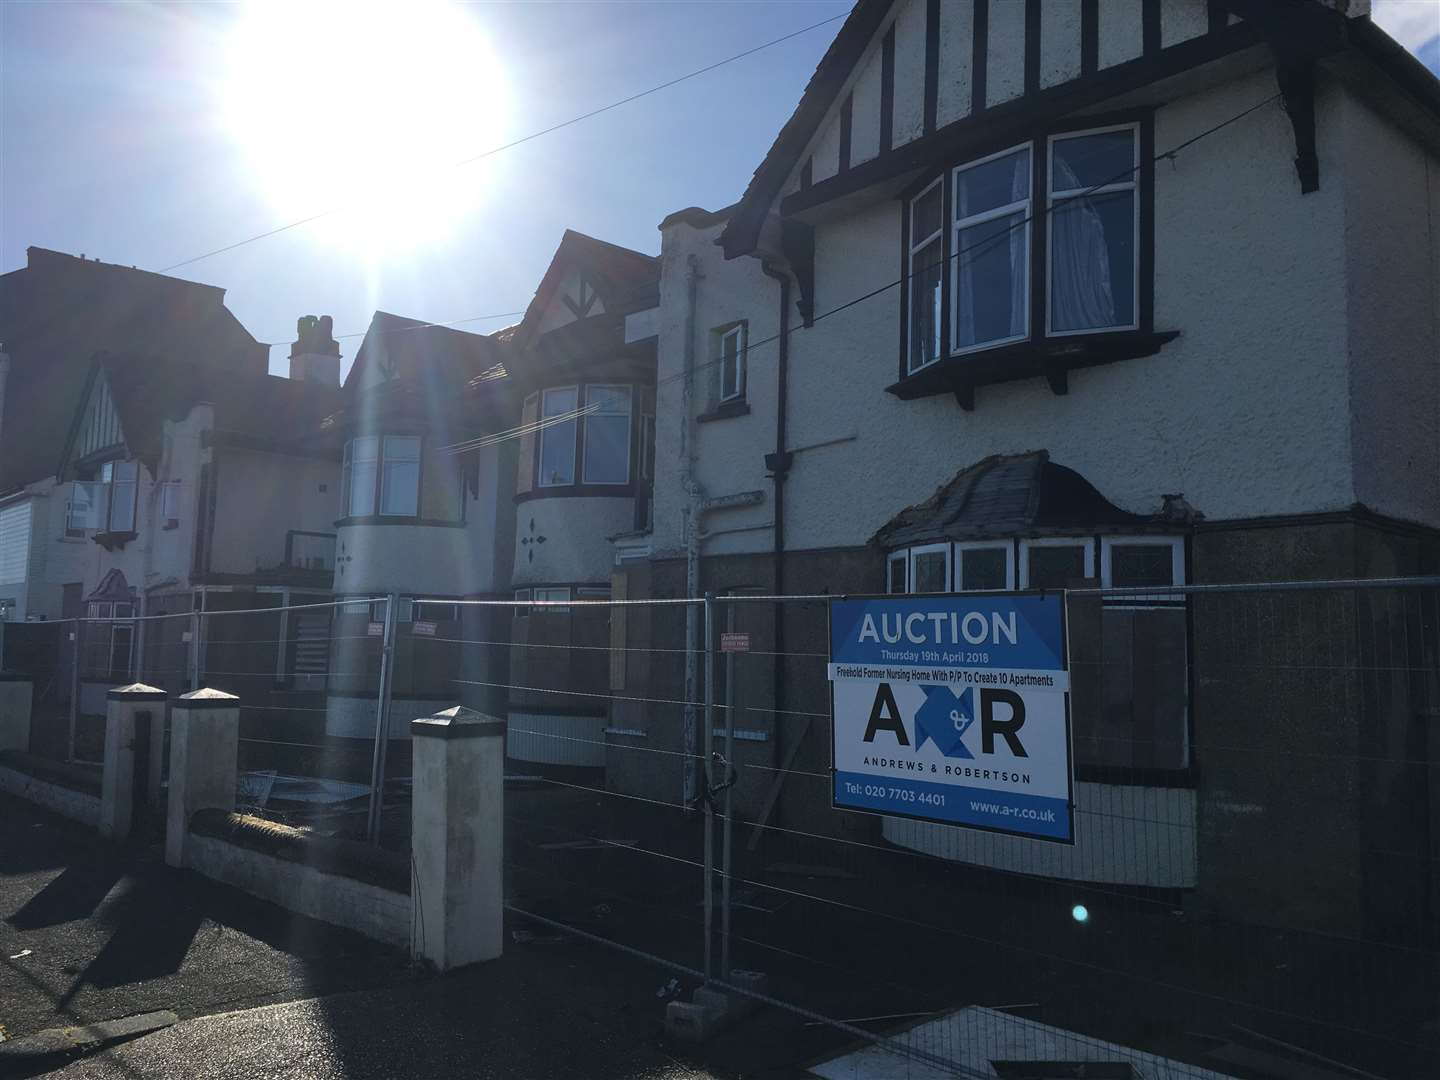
{"x":381,"y":475}
{"x":557,"y":438}
{"x":1022,"y":252}
{"x":106,"y":504}
{"x":607,"y":435}
{"x":581,"y":437}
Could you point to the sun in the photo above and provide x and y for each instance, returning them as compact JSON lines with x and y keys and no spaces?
{"x":365,"y":107}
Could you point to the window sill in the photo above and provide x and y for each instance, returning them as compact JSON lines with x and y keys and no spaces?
{"x":724,"y":411}
{"x":383,"y":519}
{"x":1054,"y":358}
{"x":112,"y":541}
{"x":578,"y":491}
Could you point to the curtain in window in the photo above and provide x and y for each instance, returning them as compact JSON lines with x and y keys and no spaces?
{"x":992,"y":257}
{"x":1080,"y":292}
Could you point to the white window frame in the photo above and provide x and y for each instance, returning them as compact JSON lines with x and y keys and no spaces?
{"x":1144,"y":600}
{"x":170,"y":504}
{"x":522,"y":601}
{"x":1132,"y":184}
{"x":347,"y":467}
{"x":912,"y":246}
{"x":957,"y":575}
{"x":552,"y":593}
{"x":1026,"y":546}
{"x":903,"y":558}
{"x":629,"y":392}
{"x":929,"y":549}
{"x":740,"y":332}
{"x":549,"y":431}
{"x":957,"y":224}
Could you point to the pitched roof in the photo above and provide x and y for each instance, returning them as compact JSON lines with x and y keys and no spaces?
{"x":59,"y":311}
{"x":622,"y":277}
{"x":1006,"y":496}
{"x":743,"y":229}
{"x":415,"y":351}
{"x":148,"y":390}
{"x":820,"y":92}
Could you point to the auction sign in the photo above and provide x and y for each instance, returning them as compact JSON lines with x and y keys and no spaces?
{"x":954,"y":709}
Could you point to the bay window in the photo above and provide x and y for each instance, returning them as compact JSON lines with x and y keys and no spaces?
{"x":106,"y":504}
{"x":557,"y":437}
{"x":1038,"y":241}
{"x":585,"y":437}
{"x":607,"y":435}
{"x":381,"y":474}
{"x":992,"y":250}
{"x":1128,"y":651}
{"x":982,"y":566}
{"x":1055,"y":563}
{"x":400,"y":476}
{"x":1094,"y":225}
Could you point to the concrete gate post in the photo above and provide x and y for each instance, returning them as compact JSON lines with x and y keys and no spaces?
{"x":16,"y":697}
{"x":457,"y":837}
{"x":124,"y":706}
{"x":204,"y":751}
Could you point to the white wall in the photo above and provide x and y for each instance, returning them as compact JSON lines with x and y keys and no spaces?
{"x":1392,"y":214}
{"x":731,"y":451}
{"x":576,"y":546}
{"x":1246,"y":413}
{"x":260,"y":497}
{"x":435,"y":560}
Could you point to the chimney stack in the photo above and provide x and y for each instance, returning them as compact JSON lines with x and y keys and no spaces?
{"x":315,"y":356}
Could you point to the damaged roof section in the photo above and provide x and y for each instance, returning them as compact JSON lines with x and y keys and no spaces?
{"x":1008,"y":496}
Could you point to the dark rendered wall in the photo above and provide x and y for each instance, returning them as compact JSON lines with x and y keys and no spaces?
{"x":1313,"y":720}
{"x":1313,"y":730}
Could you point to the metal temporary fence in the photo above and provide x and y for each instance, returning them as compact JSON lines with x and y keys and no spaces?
{"x":309,"y":676}
{"x":1257,"y":813}
{"x":1255,"y":877}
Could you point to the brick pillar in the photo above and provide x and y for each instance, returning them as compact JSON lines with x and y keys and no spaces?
{"x":457,"y":836}
{"x":204,"y":749}
{"x":126,"y":707}
{"x":16,"y":695}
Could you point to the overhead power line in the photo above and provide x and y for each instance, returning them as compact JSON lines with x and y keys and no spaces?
{"x":530,"y":137}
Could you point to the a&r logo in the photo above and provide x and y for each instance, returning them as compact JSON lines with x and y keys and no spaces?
{"x":944,"y":719}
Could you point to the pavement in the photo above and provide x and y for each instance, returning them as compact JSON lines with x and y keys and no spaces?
{"x":91,"y":932}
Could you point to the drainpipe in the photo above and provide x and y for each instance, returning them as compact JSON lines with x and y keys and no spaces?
{"x":779,"y":465}
{"x":694,"y":509}
{"x":4,"y":378}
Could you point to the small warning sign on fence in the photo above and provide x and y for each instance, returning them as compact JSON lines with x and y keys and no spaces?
{"x":426,"y":629}
{"x":734,"y":642}
{"x":375,"y":629}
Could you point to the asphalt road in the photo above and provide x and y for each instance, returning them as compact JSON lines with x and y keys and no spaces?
{"x":90,"y":932}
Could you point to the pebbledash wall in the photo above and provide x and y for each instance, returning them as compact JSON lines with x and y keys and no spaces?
{"x":1297,"y":412}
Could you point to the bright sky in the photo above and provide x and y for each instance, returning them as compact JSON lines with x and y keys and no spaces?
{"x":148,"y":133}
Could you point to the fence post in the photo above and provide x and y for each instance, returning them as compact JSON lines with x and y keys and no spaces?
{"x":457,"y":837}
{"x":709,"y":784}
{"x":17,"y":698}
{"x":76,"y":652}
{"x":382,"y":721}
{"x":726,"y":829}
{"x":204,"y":750}
{"x":123,"y":706}
{"x":195,"y":648}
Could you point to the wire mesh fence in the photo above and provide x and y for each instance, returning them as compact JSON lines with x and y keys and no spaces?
{"x":1256,"y":866}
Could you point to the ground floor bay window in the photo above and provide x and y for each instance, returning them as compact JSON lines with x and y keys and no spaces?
{"x":1128,"y":649}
